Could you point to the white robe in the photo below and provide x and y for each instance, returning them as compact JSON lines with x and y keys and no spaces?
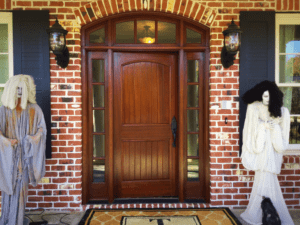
{"x":262,"y":152}
{"x":22,"y":163}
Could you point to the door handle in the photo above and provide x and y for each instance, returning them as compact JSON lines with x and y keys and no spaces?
{"x":174,"y":130}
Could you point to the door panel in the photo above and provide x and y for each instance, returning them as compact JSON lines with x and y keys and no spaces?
{"x":144,"y":103}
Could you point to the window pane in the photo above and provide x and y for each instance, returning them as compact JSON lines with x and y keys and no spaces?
{"x":99,"y":146}
{"x":192,"y":96}
{"x":193,"y":71}
{"x":289,"y":40}
{"x":98,"y":70}
{"x":291,"y":99}
{"x":98,"y":120}
{"x":166,"y":33}
{"x":145,"y":31}
{"x":98,"y":95}
{"x":125,"y":32}
{"x":192,"y":145}
{"x":192,"y":120}
{"x":98,"y":36}
{"x":295,"y":130}
{"x":98,"y":171}
{"x":4,"y":69}
{"x":193,"y":169}
{"x":192,"y":36}
{"x":1,"y":92}
{"x":4,"y":38}
{"x":289,"y":69}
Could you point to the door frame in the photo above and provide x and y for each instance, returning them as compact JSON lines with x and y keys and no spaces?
{"x":181,"y":49}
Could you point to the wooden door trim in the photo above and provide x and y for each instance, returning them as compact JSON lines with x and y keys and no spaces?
{"x":181,"y":50}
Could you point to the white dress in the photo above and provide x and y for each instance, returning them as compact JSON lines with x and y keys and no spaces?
{"x":262,"y":152}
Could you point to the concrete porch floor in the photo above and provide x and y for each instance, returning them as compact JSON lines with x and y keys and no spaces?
{"x":73,"y":218}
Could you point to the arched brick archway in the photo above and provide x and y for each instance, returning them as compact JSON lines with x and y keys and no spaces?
{"x":187,"y":8}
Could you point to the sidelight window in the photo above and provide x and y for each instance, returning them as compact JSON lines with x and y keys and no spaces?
{"x":288,"y":69}
{"x":98,"y":75}
{"x":6,"y":49}
{"x":193,"y":121}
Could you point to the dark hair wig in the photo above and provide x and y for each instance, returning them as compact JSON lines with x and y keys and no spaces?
{"x":276,"y":96}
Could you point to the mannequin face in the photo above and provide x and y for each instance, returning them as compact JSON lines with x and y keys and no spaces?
{"x":19,"y":90}
{"x":266,"y":98}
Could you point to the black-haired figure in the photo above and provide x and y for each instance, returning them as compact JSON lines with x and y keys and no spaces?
{"x":265,"y":138}
{"x":22,"y":147}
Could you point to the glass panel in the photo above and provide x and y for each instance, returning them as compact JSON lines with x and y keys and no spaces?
{"x":166,"y":33}
{"x":98,"y":120}
{"x":192,"y":36}
{"x":192,"y":96}
{"x":4,"y":38}
{"x":192,"y":145}
{"x":146,"y":31}
{"x":192,"y":121}
{"x":98,"y":36}
{"x":193,"y":71}
{"x":291,"y":99}
{"x":1,"y":92}
{"x":289,"y":40}
{"x":98,"y":70}
{"x":125,"y":32}
{"x":193,"y":169}
{"x":98,"y":170}
{"x":99,"y":146}
{"x":4,"y":72}
{"x":57,"y":41}
{"x":98,"y":95}
{"x":289,"y":69}
{"x":295,"y":130}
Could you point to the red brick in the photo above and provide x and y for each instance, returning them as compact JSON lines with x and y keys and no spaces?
{"x":66,"y":198}
{"x":35,"y":199}
{"x":75,"y":192}
{"x":31,"y":205}
{"x":56,"y":3}
{"x":296,"y":6}
{"x":224,"y":197}
{"x":8,"y":4}
{"x":214,"y":4}
{"x":231,"y":190}
{"x":50,"y":199}
{"x":58,"y":204}
{"x":224,"y":184}
{"x":40,"y":3}
{"x":50,"y":186}
{"x":23,"y":3}
{"x":45,"y":205}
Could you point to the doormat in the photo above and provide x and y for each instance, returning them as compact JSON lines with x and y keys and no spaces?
{"x":205,"y":216}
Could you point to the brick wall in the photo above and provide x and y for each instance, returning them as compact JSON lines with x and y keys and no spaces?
{"x":231,"y":183}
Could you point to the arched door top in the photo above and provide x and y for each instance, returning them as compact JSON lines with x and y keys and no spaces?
{"x":150,"y":29}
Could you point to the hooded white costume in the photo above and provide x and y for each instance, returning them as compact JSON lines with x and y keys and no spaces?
{"x":264,"y":140}
{"x":24,"y":161}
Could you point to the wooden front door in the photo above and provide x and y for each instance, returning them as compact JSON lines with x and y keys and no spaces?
{"x":145,"y":101}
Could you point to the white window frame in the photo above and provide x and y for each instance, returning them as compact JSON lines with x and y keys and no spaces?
{"x":6,"y":18}
{"x":280,"y":19}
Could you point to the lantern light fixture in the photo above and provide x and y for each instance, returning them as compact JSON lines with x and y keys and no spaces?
{"x":146,"y":39}
{"x":57,"y":40}
{"x":232,"y":43}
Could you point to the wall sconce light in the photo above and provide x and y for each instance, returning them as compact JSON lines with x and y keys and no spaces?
{"x":232,"y":43}
{"x":57,"y":39}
